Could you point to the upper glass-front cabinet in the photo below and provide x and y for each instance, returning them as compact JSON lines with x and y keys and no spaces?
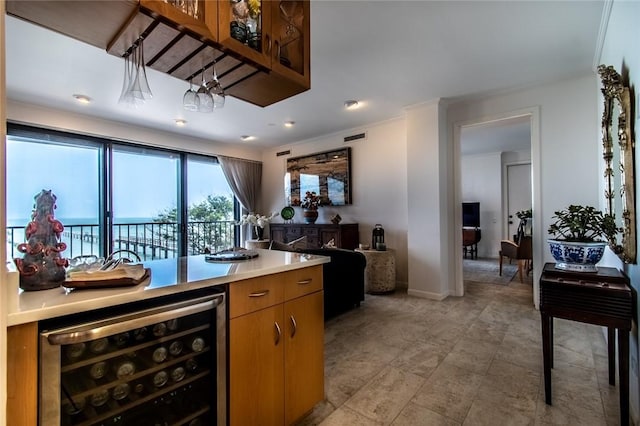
{"x":192,"y":8}
{"x":290,"y":26}
{"x":244,"y":27}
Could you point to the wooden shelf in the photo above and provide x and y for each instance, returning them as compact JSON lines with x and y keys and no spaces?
{"x":176,"y":43}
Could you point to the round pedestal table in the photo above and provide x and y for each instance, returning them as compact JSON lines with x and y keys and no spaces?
{"x":380,"y":273}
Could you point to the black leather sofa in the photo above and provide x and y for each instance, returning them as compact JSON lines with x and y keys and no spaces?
{"x":343,"y":278}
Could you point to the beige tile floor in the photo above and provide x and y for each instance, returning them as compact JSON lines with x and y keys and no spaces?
{"x":472,"y":360}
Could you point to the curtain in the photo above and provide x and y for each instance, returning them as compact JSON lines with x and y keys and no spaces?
{"x":245,"y":179}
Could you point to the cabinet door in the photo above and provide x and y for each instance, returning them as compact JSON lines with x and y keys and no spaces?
{"x":330,"y":234}
{"x":304,"y":355}
{"x":277,"y":233}
{"x":22,"y":374}
{"x":256,"y":376}
{"x":245,"y":27}
{"x":291,"y":44}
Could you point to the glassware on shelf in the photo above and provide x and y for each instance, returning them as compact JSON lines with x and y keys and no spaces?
{"x":216,"y":90}
{"x":190,"y":100}
{"x":204,"y":95}
{"x":246,"y":22}
{"x":135,"y":86}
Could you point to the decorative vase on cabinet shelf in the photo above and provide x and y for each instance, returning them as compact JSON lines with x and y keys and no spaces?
{"x":310,"y":215}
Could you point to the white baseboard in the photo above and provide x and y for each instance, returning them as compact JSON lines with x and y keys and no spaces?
{"x":427,"y":294}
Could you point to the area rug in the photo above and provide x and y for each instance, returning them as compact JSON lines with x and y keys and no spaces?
{"x":488,"y":270}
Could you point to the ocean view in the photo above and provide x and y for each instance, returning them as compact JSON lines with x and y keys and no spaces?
{"x":81,"y":235}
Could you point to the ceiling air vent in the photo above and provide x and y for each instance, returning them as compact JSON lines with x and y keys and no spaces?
{"x":357,"y":137}
{"x":281,"y":153}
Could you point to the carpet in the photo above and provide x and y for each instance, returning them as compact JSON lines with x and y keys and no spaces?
{"x":488,"y":270}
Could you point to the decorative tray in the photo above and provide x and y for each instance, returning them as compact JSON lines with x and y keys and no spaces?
{"x":230,"y":255}
{"x":106,"y":283}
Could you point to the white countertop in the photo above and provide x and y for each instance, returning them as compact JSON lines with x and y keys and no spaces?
{"x":168,"y":276}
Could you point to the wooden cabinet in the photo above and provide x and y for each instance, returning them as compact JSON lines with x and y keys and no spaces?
{"x":285,"y":52}
{"x":345,"y":236}
{"x":262,"y":69}
{"x":22,"y":374}
{"x":276,"y":347}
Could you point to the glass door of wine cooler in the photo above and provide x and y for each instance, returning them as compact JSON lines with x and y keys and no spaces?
{"x":161,"y":366}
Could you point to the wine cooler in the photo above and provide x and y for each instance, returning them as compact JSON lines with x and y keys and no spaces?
{"x":163,"y":365}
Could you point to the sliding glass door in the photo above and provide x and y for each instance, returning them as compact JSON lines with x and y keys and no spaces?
{"x":211,"y":210}
{"x":145,"y":201}
{"x":114,"y":196}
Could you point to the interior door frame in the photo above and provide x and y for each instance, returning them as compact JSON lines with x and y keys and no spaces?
{"x":457,"y":284}
{"x":505,"y":194}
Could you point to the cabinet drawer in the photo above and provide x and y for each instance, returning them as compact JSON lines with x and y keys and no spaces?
{"x":310,"y":232}
{"x":302,"y":281}
{"x":292,"y":233}
{"x":254,"y":294}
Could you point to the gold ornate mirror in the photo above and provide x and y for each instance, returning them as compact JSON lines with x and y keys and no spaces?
{"x":618,"y":157}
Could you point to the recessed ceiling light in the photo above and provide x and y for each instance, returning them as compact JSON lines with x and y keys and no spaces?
{"x":247,"y":137}
{"x":83,"y":99}
{"x":351,"y":104}
{"x":289,"y":123}
{"x":180,"y":122}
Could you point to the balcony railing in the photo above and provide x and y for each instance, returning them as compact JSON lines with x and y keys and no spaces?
{"x":150,"y":240}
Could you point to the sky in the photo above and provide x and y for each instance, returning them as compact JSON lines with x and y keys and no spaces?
{"x":143,"y":186}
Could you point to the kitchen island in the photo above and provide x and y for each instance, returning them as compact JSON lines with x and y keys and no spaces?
{"x":276,"y":289}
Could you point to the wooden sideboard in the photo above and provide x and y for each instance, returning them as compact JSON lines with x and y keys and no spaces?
{"x":344,"y":235}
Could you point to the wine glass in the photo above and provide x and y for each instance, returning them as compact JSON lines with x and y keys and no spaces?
{"x":204,"y":96}
{"x":190,"y":100}
{"x":216,"y":90}
{"x":140,"y":86}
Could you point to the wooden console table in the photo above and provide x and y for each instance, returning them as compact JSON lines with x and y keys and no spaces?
{"x":344,"y":235}
{"x":602,"y":298}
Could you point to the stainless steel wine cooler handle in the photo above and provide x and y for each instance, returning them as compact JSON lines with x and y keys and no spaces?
{"x":127,"y":322}
{"x":278,"y":332}
{"x":294,"y":325}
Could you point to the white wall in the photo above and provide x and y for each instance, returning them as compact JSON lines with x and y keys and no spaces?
{"x":482,"y":181}
{"x":429,"y":202}
{"x":564,"y":147}
{"x":620,"y":49}
{"x":3,"y":254}
{"x":379,"y":184}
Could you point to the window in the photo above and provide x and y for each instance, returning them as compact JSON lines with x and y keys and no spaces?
{"x":210,"y":201}
{"x":114,"y":196}
{"x":145,"y":201}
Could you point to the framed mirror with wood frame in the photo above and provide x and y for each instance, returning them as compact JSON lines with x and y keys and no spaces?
{"x":618,"y":154}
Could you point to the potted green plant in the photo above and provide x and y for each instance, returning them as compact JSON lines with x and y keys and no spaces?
{"x":581,"y":234}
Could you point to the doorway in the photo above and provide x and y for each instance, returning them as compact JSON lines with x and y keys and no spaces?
{"x":518,"y":195}
{"x":498,"y":142}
